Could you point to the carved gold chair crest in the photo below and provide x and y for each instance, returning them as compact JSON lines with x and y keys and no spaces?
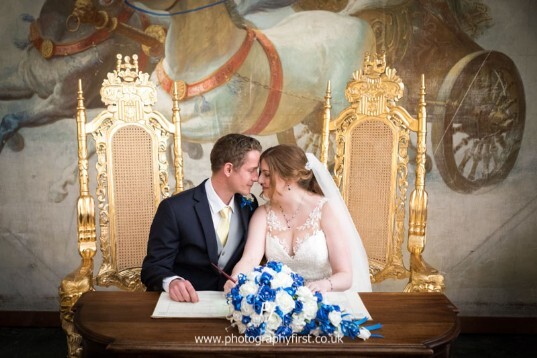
{"x":372,"y":137}
{"x":132,"y":177}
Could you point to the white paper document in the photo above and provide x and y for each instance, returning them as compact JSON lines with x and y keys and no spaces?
{"x":212,"y":304}
{"x":349,"y":301}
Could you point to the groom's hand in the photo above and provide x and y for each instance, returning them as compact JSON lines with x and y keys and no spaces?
{"x":182,"y":291}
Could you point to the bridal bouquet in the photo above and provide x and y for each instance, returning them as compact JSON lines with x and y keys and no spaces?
{"x":272,"y":302}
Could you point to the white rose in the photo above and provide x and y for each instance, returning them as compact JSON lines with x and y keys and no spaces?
{"x":257,"y":319}
{"x":298,"y":326}
{"x":335,"y":318}
{"x":274,"y":321}
{"x":364,"y":333}
{"x":248,"y":288}
{"x":281,"y":280}
{"x":310,"y":309}
{"x":304,"y":293}
{"x":285,"y":302}
{"x":246,"y":308}
{"x":251,"y":276}
{"x":241,"y":327}
{"x":237,"y":316}
{"x":286,"y":270}
{"x":298,"y":322}
{"x":338,"y":334}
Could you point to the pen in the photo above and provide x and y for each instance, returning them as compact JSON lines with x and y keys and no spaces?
{"x":223,"y":273}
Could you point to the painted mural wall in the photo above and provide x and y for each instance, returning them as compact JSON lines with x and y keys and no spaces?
{"x":478,"y":58}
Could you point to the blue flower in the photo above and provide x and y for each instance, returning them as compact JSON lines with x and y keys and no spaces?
{"x":275,"y":265}
{"x":298,"y":280}
{"x":248,"y":201}
{"x":266,"y":293}
{"x":287,"y":319}
{"x":250,"y":299}
{"x":310,"y":326}
{"x":235,"y":297}
{"x":299,"y":306}
{"x":327,"y":328}
{"x":284,"y":331}
{"x":265,"y":278}
{"x":237,"y":304}
{"x":253,"y":331}
{"x":322,"y":313}
{"x":350,"y":329}
{"x":290,"y":290}
{"x":258,"y":305}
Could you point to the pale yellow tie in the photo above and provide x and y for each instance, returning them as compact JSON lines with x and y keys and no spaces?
{"x":223,"y":226}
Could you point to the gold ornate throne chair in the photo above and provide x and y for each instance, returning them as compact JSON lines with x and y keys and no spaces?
{"x":372,"y":136}
{"x":133,"y":145}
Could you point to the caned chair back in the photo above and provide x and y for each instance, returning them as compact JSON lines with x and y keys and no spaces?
{"x":368,"y":181}
{"x":372,"y":137}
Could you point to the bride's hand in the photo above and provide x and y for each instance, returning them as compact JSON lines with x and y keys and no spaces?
{"x":319,"y":286}
{"x":228,"y":286}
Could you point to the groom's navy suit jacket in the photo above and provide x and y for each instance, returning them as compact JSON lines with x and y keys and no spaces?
{"x":182,"y":241}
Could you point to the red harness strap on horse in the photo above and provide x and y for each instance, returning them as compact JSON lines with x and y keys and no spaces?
{"x":276,"y":85}
{"x":49,"y":49}
{"x":225,"y":73}
{"x":216,"y":79}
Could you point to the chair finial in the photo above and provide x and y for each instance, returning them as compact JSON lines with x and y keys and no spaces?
{"x":127,"y":71}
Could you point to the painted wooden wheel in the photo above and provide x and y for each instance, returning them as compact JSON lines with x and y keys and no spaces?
{"x":483,"y":107}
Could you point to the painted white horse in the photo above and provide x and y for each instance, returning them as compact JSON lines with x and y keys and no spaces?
{"x":260,"y":82}
{"x":55,"y":57}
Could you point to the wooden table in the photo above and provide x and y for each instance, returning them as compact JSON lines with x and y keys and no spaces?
{"x":119,"y":324}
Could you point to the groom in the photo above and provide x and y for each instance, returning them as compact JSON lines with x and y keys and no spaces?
{"x":190,"y":231}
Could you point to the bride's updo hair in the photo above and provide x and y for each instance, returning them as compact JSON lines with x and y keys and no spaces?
{"x":289,"y":163}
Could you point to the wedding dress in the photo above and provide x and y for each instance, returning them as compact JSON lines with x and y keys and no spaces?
{"x":308,"y":255}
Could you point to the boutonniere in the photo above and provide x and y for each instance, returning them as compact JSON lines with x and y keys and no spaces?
{"x":248,"y":201}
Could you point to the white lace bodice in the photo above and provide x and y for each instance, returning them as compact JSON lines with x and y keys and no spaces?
{"x":309,"y":253}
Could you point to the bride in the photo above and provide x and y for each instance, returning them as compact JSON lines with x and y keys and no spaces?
{"x":305,"y":225}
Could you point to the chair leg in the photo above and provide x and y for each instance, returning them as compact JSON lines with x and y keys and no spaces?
{"x":71,"y":288}
{"x":74,"y":340}
{"x":423,"y":277}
